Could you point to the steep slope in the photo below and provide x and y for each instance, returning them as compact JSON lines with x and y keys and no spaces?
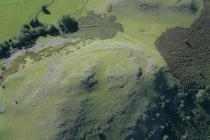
{"x":104,"y":82}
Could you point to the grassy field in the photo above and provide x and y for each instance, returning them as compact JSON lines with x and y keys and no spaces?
{"x":54,"y":81}
{"x":49,"y":97}
{"x":15,"y":13}
{"x":62,"y":7}
{"x":75,"y":8}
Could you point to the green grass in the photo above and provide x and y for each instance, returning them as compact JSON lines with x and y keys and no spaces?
{"x":75,"y":8}
{"x":145,"y":27}
{"x":33,"y":105}
{"x":62,"y":7}
{"x":15,"y":13}
{"x":49,"y":88}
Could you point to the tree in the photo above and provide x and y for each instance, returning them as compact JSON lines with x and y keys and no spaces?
{"x":4,"y":50}
{"x":40,"y":31}
{"x":201,"y":96}
{"x":35,"y":23}
{"x":45,"y":10}
{"x":52,"y":30}
{"x":25,"y":28}
{"x":67,"y":24}
{"x":25,"y":37}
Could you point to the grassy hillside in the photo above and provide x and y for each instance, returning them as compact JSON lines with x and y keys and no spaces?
{"x":102,"y":83}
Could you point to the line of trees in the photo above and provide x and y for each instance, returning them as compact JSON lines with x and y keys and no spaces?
{"x":29,"y":33}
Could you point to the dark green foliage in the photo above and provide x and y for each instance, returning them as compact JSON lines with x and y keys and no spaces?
{"x":182,"y":116}
{"x":201,"y":96}
{"x":52,"y":30}
{"x":89,"y":82}
{"x":25,"y":37}
{"x":4,"y":50}
{"x":194,"y":5}
{"x":187,"y":53}
{"x":29,"y":33}
{"x":45,"y":10}
{"x":67,"y":24}
{"x":174,"y":113}
{"x":25,"y":28}
{"x":35,"y":23}
{"x":40,"y":31}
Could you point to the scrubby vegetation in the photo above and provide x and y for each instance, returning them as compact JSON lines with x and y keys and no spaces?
{"x":187,"y":51}
{"x":98,"y":25}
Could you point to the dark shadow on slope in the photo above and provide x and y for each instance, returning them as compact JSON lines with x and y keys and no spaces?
{"x":173,"y":113}
{"x":89,"y":82}
{"x":151,"y":125}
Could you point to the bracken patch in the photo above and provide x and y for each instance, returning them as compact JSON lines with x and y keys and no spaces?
{"x":187,"y":50}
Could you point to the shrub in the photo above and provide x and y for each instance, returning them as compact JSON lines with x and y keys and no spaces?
{"x":52,"y":30}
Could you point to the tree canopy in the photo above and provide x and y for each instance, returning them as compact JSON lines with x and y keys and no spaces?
{"x":29,"y":33}
{"x":67,"y":24}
